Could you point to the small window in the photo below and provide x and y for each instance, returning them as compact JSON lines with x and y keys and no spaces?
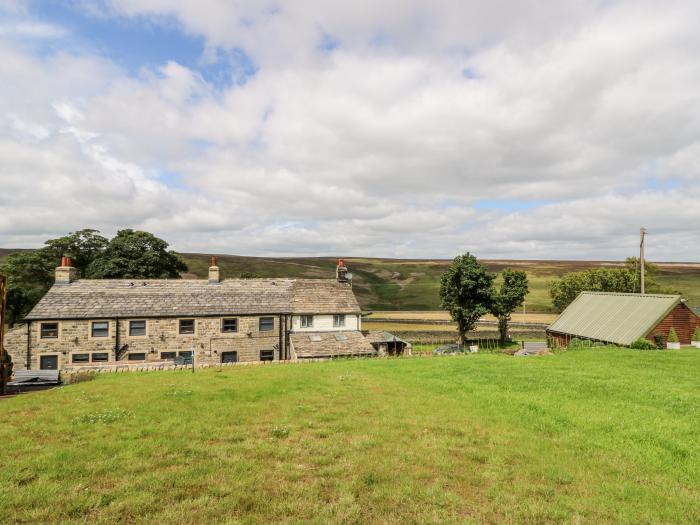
{"x":137,"y":357}
{"x":137,"y":328}
{"x":339,"y":320}
{"x":341,"y":337}
{"x":187,"y":353}
{"x":186,"y":326}
{"x":100,"y":357}
{"x":100,"y":329}
{"x":315,"y":338}
{"x":267,"y":355}
{"x":267,"y":324}
{"x":80,"y":358}
{"x":168,"y":355}
{"x":229,"y":325}
{"x":307,"y":321}
{"x":49,"y":330}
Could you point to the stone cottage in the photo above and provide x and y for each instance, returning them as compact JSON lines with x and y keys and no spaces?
{"x":111,"y":322}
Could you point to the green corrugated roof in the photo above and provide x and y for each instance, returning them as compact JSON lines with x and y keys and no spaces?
{"x":619,"y":318}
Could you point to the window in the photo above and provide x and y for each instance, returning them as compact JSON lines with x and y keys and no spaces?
{"x":80,"y":358}
{"x":186,"y":326}
{"x":100,"y":329}
{"x":187,"y":353}
{"x":307,"y":321}
{"x":339,"y":320}
{"x":168,"y":355}
{"x":229,"y":357}
{"x":267,"y":324}
{"x":267,"y":355}
{"x":137,"y":357}
{"x":49,"y":330}
{"x":315,"y":338}
{"x":48,"y":362}
{"x":341,"y":337}
{"x":137,"y":328}
{"x":100,"y":357}
{"x":229,"y":325}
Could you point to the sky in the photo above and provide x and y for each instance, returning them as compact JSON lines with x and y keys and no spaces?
{"x":403,"y":128}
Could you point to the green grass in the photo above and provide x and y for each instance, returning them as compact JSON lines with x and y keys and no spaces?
{"x":590,"y":436}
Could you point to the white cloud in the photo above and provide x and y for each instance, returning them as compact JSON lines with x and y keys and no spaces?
{"x":380,"y":147}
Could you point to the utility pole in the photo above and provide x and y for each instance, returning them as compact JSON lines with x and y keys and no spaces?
{"x":642,"y":233}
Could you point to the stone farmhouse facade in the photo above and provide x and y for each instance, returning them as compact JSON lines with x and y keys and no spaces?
{"x":90,"y":323}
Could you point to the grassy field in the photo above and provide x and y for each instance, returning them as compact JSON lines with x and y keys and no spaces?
{"x":589,"y":436}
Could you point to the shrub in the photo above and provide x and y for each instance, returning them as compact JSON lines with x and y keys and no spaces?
{"x":696,"y":334}
{"x":659,"y":340}
{"x":643,"y":344}
{"x":672,"y":336}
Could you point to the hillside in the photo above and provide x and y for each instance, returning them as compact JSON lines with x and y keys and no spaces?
{"x":412,"y":284}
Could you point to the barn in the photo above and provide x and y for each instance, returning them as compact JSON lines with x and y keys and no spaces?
{"x":623,"y":318}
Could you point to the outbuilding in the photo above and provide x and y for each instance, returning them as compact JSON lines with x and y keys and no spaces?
{"x":623,"y":318}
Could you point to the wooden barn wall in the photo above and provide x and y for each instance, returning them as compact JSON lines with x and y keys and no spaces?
{"x":682,"y":319}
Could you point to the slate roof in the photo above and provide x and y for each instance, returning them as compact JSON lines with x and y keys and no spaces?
{"x":109,"y":298}
{"x":379,"y":336}
{"x":330,"y":344}
{"x":619,"y":318}
{"x":318,"y":296}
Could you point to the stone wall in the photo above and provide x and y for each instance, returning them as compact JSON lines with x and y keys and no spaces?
{"x":162,"y":336}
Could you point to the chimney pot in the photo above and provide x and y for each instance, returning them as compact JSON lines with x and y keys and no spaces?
{"x":214,"y":260}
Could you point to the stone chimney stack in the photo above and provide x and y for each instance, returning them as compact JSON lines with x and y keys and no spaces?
{"x":214,"y":272}
{"x":341,"y":272}
{"x":65,"y":274}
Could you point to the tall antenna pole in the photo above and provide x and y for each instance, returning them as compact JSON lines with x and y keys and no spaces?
{"x":642,"y":233}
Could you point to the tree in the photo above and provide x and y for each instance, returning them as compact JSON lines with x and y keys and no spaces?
{"x":624,"y":280}
{"x":466,"y":289}
{"x":136,"y":254}
{"x":83,"y":247}
{"x":29,"y":276}
{"x":510,"y":296}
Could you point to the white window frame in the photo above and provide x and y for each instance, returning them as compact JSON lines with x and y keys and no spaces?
{"x":338,"y":320}
{"x":306,"y":321}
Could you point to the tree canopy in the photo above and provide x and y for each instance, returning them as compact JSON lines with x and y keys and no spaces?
{"x":623,"y":280}
{"x":507,"y":298}
{"x":466,"y":290}
{"x":136,"y":254}
{"x":130,"y":254}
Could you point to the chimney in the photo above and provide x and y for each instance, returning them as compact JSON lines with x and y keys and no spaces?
{"x":214,"y":274}
{"x":341,"y":272}
{"x":65,"y":274}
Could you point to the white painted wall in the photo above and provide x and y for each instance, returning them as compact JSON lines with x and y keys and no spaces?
{"x":324,"y":323}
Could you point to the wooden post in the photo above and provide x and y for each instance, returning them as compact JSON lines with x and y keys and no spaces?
{"x":642,"y":232}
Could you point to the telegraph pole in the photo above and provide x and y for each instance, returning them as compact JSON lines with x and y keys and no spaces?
{"x":642,"y":233}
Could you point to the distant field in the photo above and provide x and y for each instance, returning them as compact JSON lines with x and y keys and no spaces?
{"x":413,"y":284}
{"x":588,"y":436}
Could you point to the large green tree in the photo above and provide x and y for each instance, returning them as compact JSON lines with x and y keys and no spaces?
{"x":466,"y":290}
{"x":136,"y":254}
{"x":511,"y":294}
{"x":129,"y":254}
{"x":624,"y":280}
